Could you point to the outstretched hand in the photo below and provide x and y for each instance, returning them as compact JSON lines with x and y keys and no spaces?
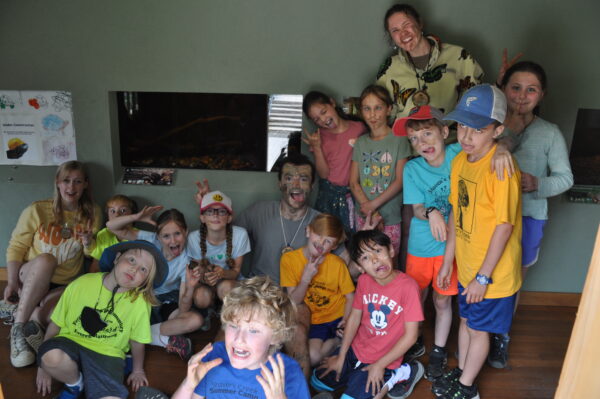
{"x":197,"y":369}
{"x":313,"y":140}
{"x":145,"y":215}
{"x":506,"y":64}
{"x":203,"y":189}
{"x":273,"y":382}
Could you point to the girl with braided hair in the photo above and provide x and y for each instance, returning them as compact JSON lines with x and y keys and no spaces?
{"x":220,"y":248}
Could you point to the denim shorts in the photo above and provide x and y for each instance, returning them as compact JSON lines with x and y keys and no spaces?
{"x":102,"y":374}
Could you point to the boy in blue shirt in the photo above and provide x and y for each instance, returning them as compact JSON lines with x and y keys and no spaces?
{"x":426,"y":187}
{"x":257,"y":317}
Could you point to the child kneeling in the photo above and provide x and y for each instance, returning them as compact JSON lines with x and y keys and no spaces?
{"x":258,"y":317}
{"x":382,"y":326}
{"x":97,"y":319}
{"x":312,"y":275}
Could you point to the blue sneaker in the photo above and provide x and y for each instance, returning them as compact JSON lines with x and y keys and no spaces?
{"x":70,"y":392}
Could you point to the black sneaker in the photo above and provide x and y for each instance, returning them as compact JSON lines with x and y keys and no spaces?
{"x":403,"y":389}
{"x":438,"y":357}
{"x":415,"y":351}
{"x":446,"y":381}
{"x":460,"y":391}
{"x":498,"y":356}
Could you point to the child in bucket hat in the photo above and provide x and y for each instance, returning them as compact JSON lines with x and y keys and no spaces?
{"x":98,"y":319}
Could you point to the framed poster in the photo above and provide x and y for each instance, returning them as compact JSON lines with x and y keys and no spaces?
{"x":36,"y":128}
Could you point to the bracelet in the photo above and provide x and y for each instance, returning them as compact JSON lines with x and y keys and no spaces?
{"x":429,"y":210}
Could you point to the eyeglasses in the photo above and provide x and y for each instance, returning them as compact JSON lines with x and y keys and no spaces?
{"x":219,"y":212}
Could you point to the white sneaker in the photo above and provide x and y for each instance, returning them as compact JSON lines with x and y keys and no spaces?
{"x":21,"y":354}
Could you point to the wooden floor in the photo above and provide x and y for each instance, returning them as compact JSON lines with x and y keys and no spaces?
{"x":540,"y":336}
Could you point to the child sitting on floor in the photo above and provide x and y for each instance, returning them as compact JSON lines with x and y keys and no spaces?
{"x":258,"y":317}
{"x":382,"y":326}
{"x":99,"y":317}
{"x":320,"y":279}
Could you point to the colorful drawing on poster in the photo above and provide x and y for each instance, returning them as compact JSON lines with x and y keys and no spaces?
{"x":16,"y":148}
{"x":54,"y":123}
{"x":38,"y":102}
{"x":36,"y":127}
{"x":60,"y":152}
{"x":62,"y":101}
{"x":6,"y":102}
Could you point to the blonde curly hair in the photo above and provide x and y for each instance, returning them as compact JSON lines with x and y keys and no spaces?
{"x":259,"y":296}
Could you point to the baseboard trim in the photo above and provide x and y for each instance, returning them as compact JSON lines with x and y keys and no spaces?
{"x":540,"y":298}
{"x":537,"y":298}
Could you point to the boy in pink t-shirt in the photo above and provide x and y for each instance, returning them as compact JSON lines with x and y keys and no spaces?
{"x":382,"y":326}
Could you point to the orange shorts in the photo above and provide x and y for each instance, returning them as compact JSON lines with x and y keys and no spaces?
{"x":425,"y":271}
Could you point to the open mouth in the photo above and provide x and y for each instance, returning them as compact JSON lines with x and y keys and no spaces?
{"x":382,"y":269}
{"x":175,"y":250}
{"x":297,"y":196}
{"x":242,"y":354}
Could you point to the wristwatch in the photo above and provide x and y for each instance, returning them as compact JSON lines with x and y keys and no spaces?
{"x":483,"y":280}
{"x":429,"y":210}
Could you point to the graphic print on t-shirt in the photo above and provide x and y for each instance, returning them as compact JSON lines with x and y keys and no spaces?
{"x":466,"y":206}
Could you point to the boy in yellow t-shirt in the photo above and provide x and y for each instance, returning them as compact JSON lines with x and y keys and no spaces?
{"x":484,"y":235}
{"x":314,"y":276}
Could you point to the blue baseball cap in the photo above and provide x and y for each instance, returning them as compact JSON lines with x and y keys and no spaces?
{"x":480,"y":106}
{"x":107,"y":260}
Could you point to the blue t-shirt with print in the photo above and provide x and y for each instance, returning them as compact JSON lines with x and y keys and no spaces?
{"x":225,"y":381}
{"x":177,"y":266}
{"x":430,"y":186}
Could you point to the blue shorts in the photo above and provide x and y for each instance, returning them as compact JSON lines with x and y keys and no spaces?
{"x":352,"y":377}
{"x":324,"y":331}
{"x":490,"y":315}
{"x":533,"y":231}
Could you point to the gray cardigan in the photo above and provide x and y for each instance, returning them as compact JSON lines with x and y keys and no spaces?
{"x":541,"y":151}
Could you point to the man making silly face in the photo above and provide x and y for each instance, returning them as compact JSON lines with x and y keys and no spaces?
{"x":295,"y":184}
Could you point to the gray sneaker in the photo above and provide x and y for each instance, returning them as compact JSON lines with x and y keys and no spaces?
{"x":498,"y":356}
{"x":403,"y":389}
{"x":34,"y":334}
{"x":150,"y":393}
{"x":21,"y":354}
{"x":7,"y":309}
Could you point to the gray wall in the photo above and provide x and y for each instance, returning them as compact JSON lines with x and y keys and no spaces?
{"x":262,"y":46}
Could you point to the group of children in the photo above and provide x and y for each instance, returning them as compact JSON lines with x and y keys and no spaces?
{"x":466,"y":235}
{"x":155,"y":287}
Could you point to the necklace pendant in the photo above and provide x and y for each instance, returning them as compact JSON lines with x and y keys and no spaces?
{"x":420,"y":98}
{"x":66,"y":233}
{"x":286,"y":249}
